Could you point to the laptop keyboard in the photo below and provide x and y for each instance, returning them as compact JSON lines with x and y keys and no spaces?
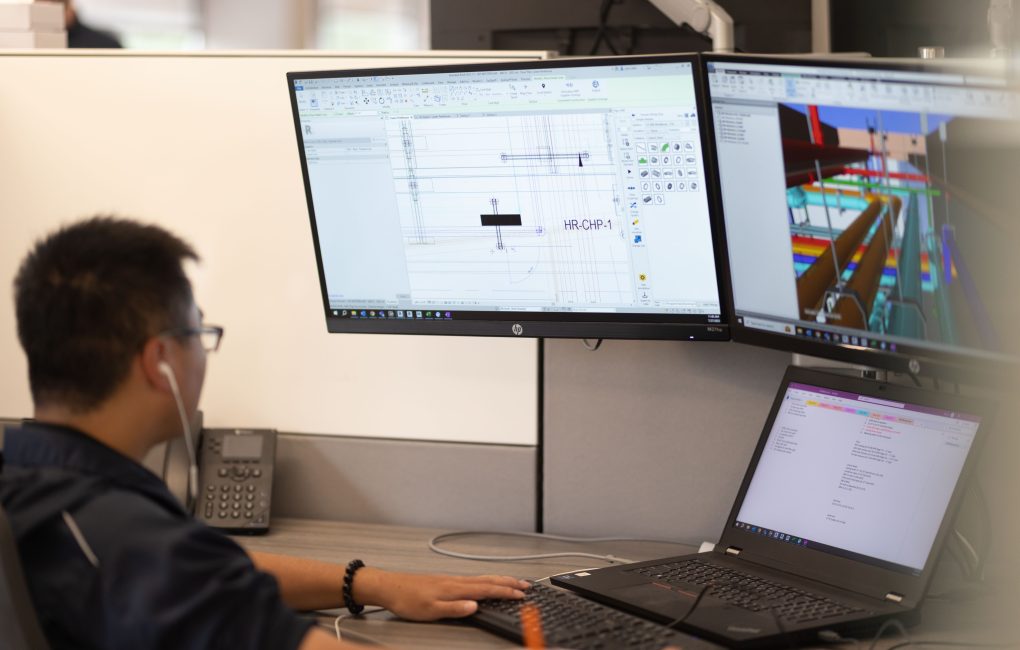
{"x":570,"y":621}
{"x":750,"y":592}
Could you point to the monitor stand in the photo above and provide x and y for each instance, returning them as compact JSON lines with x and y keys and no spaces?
{"x":840,"y":368}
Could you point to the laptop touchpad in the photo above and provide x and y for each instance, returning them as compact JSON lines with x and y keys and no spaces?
{"x":657,"y":597}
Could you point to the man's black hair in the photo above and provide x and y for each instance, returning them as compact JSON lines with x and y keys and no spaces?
{"x":87,"y":298}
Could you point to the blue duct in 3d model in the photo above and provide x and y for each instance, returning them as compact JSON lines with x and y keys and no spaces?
{"x":906,"y":320}
{"x":796,"y":197}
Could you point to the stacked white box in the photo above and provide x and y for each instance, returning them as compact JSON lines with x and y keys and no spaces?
{"x":27,"y":24}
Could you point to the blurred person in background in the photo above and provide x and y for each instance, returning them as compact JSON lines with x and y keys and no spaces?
{"x":81,"y":35}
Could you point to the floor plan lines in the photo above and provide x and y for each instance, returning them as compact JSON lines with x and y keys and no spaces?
{"x":515,"y":207}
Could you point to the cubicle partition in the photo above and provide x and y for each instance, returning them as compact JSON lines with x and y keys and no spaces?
{"x":204,"y":145}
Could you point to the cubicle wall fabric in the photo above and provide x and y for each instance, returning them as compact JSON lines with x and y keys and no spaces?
{"x":204,"y":145}
{"x":406,"y":482}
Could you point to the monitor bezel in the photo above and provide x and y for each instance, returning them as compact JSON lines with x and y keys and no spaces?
{"x":605,"y":325}
{"x":923,"y":361}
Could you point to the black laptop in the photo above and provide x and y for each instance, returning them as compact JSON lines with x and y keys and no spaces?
{"x":837,"y":526}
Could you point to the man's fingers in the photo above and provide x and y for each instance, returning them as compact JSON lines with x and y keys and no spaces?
{"x":506,"y":581}
{"x":481,"y":591}
{"x":454,"y":608}
{"x":428,"y":597}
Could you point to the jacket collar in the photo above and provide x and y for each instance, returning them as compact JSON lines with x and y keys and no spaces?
{"x":43,"y":445}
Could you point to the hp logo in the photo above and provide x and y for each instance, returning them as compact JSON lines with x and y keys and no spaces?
{"x":517,"y":329}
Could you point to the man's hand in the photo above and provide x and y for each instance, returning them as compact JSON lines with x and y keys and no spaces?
{"x":419,"y":597}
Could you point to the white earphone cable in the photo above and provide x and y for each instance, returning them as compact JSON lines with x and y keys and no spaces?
{"x":168,"y":372}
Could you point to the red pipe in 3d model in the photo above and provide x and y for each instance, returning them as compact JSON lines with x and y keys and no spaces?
{"x":904,"y":176}
{"x":816,"y":126}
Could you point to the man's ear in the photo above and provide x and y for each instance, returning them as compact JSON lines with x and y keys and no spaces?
{"x":154,"y":353}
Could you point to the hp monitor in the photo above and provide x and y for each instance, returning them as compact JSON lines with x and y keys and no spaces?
{"x":540,"y":198}
{"x":866,"y":210}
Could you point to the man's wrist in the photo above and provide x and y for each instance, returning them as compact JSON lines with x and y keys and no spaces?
{"x":367,"y":587}
{"x":348,"y":587}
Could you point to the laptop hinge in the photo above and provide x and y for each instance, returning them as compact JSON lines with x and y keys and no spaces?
{"x":894,"y":597}
{"x":733,"y":550}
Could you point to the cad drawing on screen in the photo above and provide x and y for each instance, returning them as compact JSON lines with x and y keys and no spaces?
{"x":548,"y":187}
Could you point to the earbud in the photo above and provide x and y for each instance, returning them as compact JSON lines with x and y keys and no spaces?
{"x":168,"y":372}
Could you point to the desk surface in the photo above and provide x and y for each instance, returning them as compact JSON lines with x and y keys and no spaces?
{"x":402,"y":548}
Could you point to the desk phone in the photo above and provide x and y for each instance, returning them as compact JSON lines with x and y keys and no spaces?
{"x":235,"y":477}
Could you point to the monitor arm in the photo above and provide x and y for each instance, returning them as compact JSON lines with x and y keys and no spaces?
{"x":1000,"y":18}
{"x":704,"y":16}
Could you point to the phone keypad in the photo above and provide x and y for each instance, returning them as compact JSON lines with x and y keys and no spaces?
{"x":235,"y":502}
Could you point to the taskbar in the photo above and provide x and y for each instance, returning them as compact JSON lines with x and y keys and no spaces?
{"x":788,"y":538}
{"x":853,"y":339}
{"x":393,"y":314}
{"x":374,"y":313}
{"x":877,"y":349}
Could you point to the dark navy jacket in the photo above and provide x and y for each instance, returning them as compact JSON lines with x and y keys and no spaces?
{"x":141,"y":573}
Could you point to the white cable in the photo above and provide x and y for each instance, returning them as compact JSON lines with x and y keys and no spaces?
{"x":344,"y":617}
{"x":612,"y":559}
{"x":892,"y":622}
{"x":168,"y":372}
{"x":970,"y":548}
{"x":434,"y":542}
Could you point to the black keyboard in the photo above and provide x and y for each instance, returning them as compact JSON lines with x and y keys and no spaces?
{"x":748,"y":591}
{"x":570,"y":621}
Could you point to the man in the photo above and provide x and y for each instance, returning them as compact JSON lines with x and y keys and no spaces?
{"x":108,"y":322}
{"x":81,"y":35}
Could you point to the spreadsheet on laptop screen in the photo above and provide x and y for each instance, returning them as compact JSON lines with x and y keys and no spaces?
{"x":858,"y":474}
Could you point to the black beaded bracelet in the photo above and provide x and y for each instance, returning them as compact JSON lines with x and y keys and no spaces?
{"x":348,"y":589}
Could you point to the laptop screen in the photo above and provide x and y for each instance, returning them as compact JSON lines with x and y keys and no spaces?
{"x":857,"y":476}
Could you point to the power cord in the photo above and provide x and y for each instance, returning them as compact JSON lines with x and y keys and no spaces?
{"x":697,"y":601}
{"x":591,"y":347}
{"x":972,"y":561}
{"x":972,"y":573}
{"x":690,"y":610}
{"x":985,"y":514}
{"x":891,"y":623}
{"x":612,"y":559}
{"x":965,"y":568}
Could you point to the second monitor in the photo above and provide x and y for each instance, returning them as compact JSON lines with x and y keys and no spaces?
{"x":550,"y":198}
{"x":868,"y":210}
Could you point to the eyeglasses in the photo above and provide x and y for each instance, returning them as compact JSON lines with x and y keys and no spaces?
{"x":209,"y":336}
